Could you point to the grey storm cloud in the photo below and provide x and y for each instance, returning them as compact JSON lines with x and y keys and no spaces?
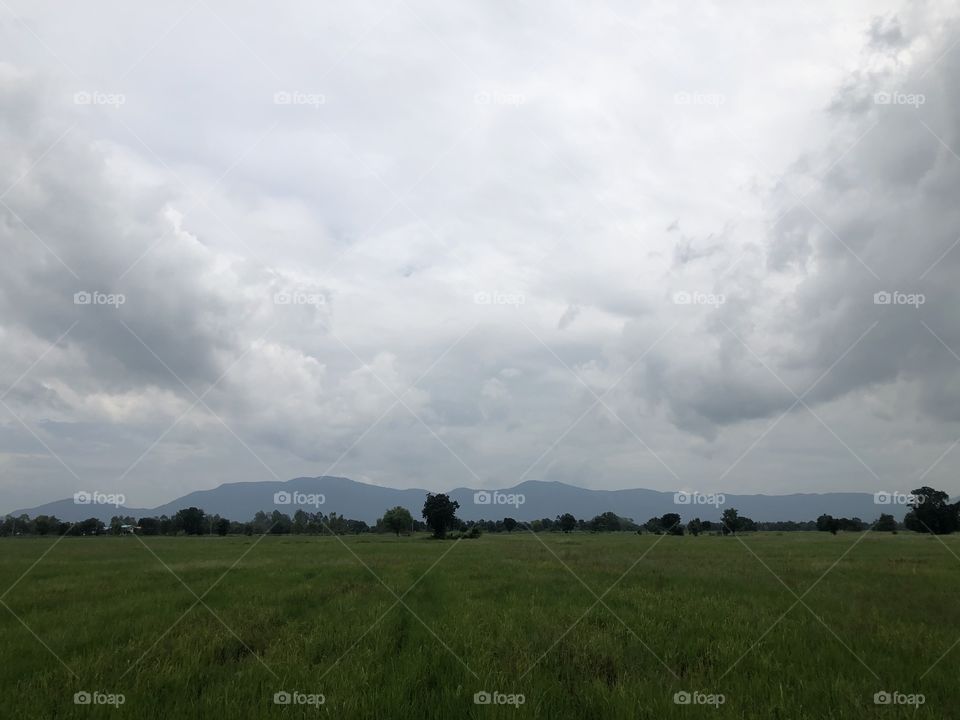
{"x":591,"y":246}
{"x":882,"y":219}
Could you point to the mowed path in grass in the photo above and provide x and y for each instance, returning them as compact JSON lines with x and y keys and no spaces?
{"x":513,"y":614}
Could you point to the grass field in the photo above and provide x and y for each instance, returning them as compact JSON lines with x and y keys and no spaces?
{"x":511,"y":614}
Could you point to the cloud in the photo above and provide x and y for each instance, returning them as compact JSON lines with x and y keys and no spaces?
{"x":569,"y":315}
{"x":878,"y":218}
{"x":373,"y":276}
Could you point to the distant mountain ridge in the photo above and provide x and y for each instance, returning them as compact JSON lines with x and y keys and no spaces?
{"x":540,"y":499}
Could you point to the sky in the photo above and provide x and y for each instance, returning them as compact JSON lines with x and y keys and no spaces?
{"x":699,"y":246}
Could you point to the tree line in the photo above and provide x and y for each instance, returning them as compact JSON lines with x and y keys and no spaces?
{"x":930,"y":512}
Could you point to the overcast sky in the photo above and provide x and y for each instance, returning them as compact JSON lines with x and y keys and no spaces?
{"x":426,"y":244}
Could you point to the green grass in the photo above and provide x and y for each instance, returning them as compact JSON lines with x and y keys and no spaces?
{"x":503,"y":613}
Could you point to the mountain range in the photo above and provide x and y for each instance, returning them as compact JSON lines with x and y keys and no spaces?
{"x":527,"y":501}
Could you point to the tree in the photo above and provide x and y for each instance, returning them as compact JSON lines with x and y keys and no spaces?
{"x":653,"y":526}
{"x":671,"y":524}
{"x":606,"y":522}
{"x":44,"y":524}
{"x":509,"y":524}
{"x":90,"y":526}
{"x":261,"y":523}
{"x":117,"y":521}
{"x":149,"y":526}
{"x":828,"y":523}
{"x":854,"y":524}
{"x":397,"y":520}
{"x":695,"y":527}
{"x":730,"y":521}
{"x":221,"y":526}
{"x":300,"y":521}
{"x":886,"y":523}
{"x":931,"y":512}
{"x":280,"y":523}
{"x":190,"y":520}
{"x":440,"y":513}
{"x":567,"y":522}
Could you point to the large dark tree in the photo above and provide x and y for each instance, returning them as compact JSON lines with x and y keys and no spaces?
{"x":567,"y":522}
{"x":191,"y":521}
{"x":149,"y":526}
{"x":671,"y":524}
{"x":931,"y":512}
{"x":280,"y":523}
{"x":606,"y":522}
{"x":45,"y":524}
{"x":440,"y":513}
{"x":730,"y":522}
{"x":653,"y":526}
{"x":886,"y":523}
{"x":398,"y":520}
{"x":828,"y":523}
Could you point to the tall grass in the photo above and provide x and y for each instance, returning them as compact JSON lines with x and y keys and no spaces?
{"x":512,"y":614}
